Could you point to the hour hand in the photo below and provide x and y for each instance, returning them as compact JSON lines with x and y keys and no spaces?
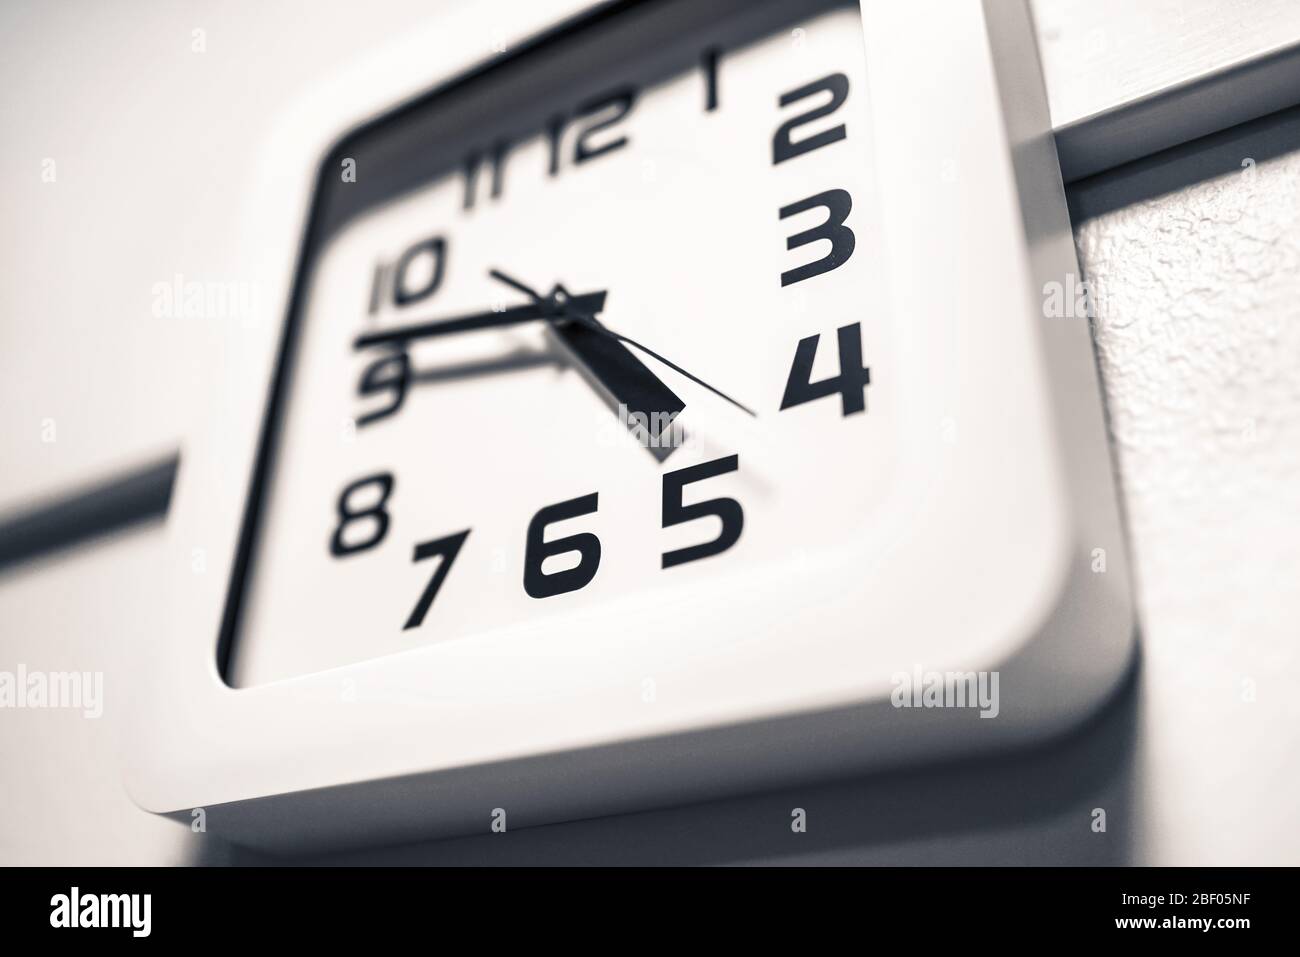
{"x":639,"y":397}
{"x":641,"y":400}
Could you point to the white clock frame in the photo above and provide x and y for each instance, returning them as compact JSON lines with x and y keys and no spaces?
{"x":429,"y":742}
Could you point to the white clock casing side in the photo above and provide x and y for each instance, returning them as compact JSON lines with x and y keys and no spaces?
{"x":989,"y":566}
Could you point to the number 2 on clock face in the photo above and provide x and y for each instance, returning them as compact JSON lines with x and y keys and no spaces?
{"x":629,"y":352}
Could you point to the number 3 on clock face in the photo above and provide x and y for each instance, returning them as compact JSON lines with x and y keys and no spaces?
{"x":683,"y":405}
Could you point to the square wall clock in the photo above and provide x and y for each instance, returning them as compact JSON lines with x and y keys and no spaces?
{"x":663,"y":407}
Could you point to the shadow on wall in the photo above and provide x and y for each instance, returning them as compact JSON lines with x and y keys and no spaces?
{"x":1227,"y":152}
{"x":1034,"y":807}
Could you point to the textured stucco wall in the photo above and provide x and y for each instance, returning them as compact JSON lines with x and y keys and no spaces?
{"x":1195,"y":259}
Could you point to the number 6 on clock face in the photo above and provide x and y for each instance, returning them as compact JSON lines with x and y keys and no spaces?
{"x":661,"y":348}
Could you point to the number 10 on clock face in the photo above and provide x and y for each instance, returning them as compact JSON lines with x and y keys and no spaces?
{"x":638,"y":351}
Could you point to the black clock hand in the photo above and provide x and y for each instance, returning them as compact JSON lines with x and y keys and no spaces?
{"x":621,"y":379}
{"x":588,"y":303}
{"x":573,"y":308}
{"x":614,"y":372}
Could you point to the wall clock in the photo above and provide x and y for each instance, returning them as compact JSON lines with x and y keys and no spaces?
{"x":650,"y":400}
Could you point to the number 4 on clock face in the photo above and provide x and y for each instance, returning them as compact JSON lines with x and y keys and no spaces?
{"x":850,"y":385}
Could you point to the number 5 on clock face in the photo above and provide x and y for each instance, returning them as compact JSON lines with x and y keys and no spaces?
{"x":714,"y":366}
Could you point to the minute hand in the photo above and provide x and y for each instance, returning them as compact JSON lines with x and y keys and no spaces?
{"x":587,"y":304}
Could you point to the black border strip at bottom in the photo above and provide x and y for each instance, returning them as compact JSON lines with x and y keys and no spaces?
{"x":979,"y":906}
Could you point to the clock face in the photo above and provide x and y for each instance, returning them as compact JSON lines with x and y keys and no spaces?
{"x":625,"y":340}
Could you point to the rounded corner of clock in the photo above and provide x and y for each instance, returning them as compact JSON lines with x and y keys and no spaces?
{"x":141,"y":785}
{"x":338,"y":147}
{"x":1075,"y":661}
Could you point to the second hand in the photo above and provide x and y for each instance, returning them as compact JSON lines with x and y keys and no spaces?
{"x":592,"y":323}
